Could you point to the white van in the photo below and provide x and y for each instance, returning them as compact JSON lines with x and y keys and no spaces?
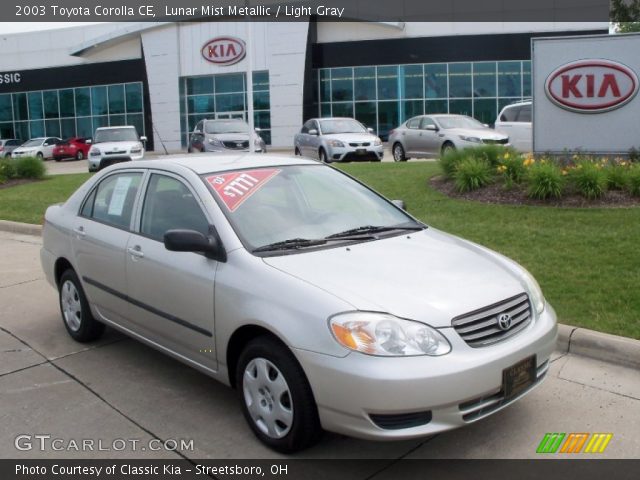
{"x":515,"y":121}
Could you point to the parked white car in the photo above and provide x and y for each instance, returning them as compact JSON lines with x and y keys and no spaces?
{"x":323,"y":303}
{"x":41,"y":147}
{"x":115,"y":145}
{"x":515,"y":121}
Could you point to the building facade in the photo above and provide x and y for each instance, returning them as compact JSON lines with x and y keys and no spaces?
{"x":156,"y":76}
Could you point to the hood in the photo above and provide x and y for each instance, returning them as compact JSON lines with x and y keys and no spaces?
{"x":482,"y":133}
{"x":118,"y":146}
{"x":26,"y":149}
{"x":427,"y":276}
{"x":229,"y":137}
{"x":351,"y":137}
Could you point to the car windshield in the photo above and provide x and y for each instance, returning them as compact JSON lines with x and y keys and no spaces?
{"x":34,"y":142}
{"x":233,"y":126}
{"x":341,"y":126}
{"x":459,"y":122}
{"x":275,"y":208}
{"x":116,"y":135}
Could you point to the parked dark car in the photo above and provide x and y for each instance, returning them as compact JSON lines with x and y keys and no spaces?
{"x":74,"y":147}
{"x":7,"y":145}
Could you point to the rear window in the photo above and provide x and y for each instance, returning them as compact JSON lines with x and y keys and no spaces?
{"x":510,"y":114}
{"x":525,"y":114}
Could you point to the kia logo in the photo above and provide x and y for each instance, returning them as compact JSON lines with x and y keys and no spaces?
{"x":224,"y":50}
{"x":591,"y":86}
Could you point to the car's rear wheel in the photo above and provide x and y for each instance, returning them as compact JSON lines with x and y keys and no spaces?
{"x":448,"y":147}
{"x":276,"y":398}
{"x":79,"y":155}
{"x":322,"y":156}
{"x":58,"y":159}
{"x":40,"y":155}
{"x":398,"y":153}
{"x":296,"y":152}
{"x":76,"y":314}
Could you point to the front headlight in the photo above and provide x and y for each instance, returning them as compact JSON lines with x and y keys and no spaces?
{"x":534,"y":290}
{"x":385,"y":335}
{"x":377,"y":142}
{"x":470,"y":139}
{"x":136,"y":148}
{"x":216,"y":142}
{"x":335,"y":143}
{"x":94,"y":152}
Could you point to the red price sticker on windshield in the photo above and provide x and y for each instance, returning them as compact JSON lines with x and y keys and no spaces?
{"x":233,"y":188}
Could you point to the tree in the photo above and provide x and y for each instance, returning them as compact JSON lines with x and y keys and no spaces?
{"x":626,"y":15}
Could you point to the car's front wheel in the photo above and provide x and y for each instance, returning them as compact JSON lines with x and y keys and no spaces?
{"x":276,"y":398}
{"x":448,"y":147}
{"x":40,"y":155}
{"x":79,"y":155}
{"x":75,"y":310}
{"x":398,"y":153}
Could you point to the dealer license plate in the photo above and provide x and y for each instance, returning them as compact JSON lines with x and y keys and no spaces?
{"x":518,"y":377}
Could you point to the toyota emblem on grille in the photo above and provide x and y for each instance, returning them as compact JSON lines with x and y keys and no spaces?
{"x":504,"y":321}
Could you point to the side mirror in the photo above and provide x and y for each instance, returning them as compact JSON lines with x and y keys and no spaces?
{"x":313,"y":131}
{"x":432,"y":128}
{"x":193,"y":241}
{"x":399,"y":204}
{"x":88,"y":141}
{"x":369,"y":129}
{"x":143,"y":138}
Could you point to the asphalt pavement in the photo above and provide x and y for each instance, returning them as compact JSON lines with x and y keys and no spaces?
{"x":118,"y":390}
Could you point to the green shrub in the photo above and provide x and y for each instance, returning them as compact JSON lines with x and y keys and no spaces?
{"x":30,"y":167}
{"x":449,"y":162}
{"x":634,"y":154}
{"x":512,"y":167}
{"x":633,"y":179}
{"x":472,"y":173}
{"x":545,"y":180}
{"x":7,"y":168}
{"x":589,"y":179}
{"x":493,"y":154}
{"x":617,"y":177}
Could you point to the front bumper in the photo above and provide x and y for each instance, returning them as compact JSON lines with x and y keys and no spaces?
{"x":98,"y":162}
{"x":356,"y":154}
{"x":455,"y":389}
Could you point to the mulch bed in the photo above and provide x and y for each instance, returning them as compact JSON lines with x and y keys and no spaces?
{"x":17,"y":181}
{"x":497,"y":194}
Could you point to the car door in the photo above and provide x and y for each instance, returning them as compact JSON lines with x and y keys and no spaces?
{"x":429,"y":139}
{"x":301,"y":139}
{"x":507,"y":124}
{"x":171,"y":293}
{"x":48,"y":145}
{"x":99,"y":239}
{"x":523,"y":129}
{"x":411,"y":135}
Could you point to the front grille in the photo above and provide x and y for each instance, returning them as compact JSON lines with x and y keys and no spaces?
{"x":482,"y":406}
{"x":356,"y":144}
{"x":401,"y":420}
{"x":481,"y":327}
{"x":116,"y":152}
{"x":239,"y":145}
{"x":503,"y":141}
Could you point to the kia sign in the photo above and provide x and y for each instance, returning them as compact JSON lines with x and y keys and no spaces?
{"x":224,"y":50}
{"x":591,"y":86}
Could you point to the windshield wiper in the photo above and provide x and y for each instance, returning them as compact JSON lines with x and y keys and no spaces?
{"x":365,"y":229}
{"x":290,"y":244}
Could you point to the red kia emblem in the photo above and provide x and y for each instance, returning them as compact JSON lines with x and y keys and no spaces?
{"x":224,"y":50}
{"x":591,"y":86}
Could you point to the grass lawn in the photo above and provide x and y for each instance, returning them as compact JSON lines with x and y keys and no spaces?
{"x":586,"y":260}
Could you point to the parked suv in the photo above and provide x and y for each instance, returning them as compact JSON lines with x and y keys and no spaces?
{"x":8,"y":145}
{"x":515,"y":121}
{"x":114,"y":145}
{"x":225,"y":135}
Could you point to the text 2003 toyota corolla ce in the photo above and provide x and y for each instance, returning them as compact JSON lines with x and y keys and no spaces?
{"x":324,"y":304}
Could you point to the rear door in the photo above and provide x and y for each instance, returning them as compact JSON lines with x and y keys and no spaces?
{"x":99,"y":239}
{"x":522,"y":129}
{"x":410,"y":135}
{"x":171,"y":293}
{"x":507,"y":123}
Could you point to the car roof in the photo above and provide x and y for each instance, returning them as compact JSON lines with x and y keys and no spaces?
{"x":333,"y":118}
{"x":519,"y":102}
{"x":210,"y":163}
{"x":113,"y":128}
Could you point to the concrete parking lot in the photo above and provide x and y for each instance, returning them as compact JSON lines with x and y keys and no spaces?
{"x":118,"y":388}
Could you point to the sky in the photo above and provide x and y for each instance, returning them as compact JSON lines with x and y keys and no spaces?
{"x":15,"y":27}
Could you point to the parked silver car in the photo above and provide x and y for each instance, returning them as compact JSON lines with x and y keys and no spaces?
{"x":433,"y":135}
{"x":224,"y":135}
{"x":41,"y":147}
{"x":324,"y":304}
{"x":337,"y":140}
{"x":8,"y":145}
{"x":515,"y":120}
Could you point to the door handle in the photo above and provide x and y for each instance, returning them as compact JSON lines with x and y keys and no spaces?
{"x":135,"y":251}
{"x":80,"y":231}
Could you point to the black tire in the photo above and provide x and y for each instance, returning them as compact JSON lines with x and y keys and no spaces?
{"x":304,"y":427}
{"x":58,"y":159}
{"x":79,"y":155}
{"x":7,"y":155}
{"x":322,"y":156}
{"x":296,"y":152}
{"x":40,"y":155}
{"x":398,"y":153}
{"x":75,"y":311}
{"x":446,"y":148}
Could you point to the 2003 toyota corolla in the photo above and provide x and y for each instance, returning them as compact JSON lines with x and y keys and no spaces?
{"x":324,"y":304}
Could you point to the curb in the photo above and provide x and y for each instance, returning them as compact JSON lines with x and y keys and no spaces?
{"x":23,"y":228}
{"x":578,"y":341}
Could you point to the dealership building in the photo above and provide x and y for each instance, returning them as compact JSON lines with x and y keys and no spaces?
{"x":165,"y":77}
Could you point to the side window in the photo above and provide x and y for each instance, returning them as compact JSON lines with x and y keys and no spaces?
{"x":169,"y":205}
{"x":112,"y":201}
{"x":414,"y":123}
{"x":314,"y":125}
{"x":509,"y":114}
{"x":306,"y":127}
{"x":426,"y":121}
{"x":13,"y":142}
{"x":525,"y":114}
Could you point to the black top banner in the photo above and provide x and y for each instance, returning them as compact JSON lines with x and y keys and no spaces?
{"x":302,"y":10}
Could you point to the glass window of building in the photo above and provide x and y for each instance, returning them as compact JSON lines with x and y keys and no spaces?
{"x":411,"y":81}
{"x":484,"y":79}
{"x":460,"y":80}
{"x":387,"y":83}
{"x":364,"y":82}
{"x":509,"y":79}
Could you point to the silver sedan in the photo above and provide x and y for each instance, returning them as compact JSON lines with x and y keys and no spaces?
{"x":338,"y":140}
{"x":324,"y":304}
{"x":433,"y":135}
